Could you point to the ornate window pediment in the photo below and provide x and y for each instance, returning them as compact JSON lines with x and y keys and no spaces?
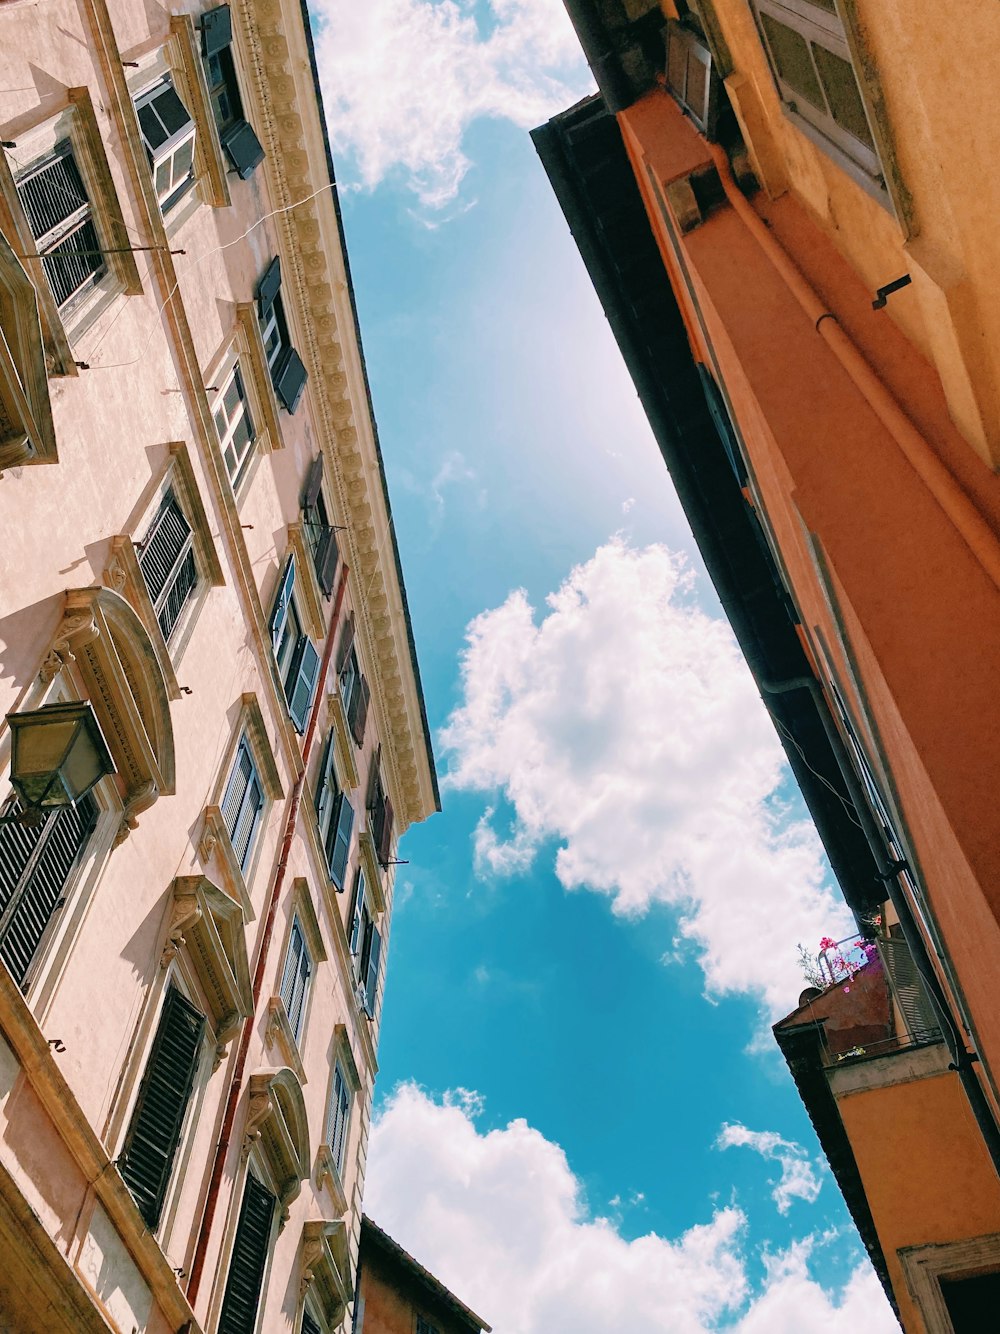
{"x":276,"y":1121}
{"x":26,"y":431}
{"x":209,"y":925}
{"x":326,"y":1267}
{"x":107,"y":645}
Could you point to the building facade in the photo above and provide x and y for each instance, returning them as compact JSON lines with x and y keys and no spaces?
{"x":199,"y":552}
{"x":397,"y":1295}
{"x":785,"y":208}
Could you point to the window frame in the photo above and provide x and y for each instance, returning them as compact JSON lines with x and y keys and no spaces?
{"x":285,"y":367}
{"x":925,"y":1266}
{"x":295,"y":655}
{"x":234,"y":375}
{"x":174,"y":144}
{"x":332,"y":800}
{"x":218,"y":35}
{"x":288,"y":985}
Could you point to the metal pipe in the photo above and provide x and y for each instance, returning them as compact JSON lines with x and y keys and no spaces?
{"x":940,"y":482}
{"x":236,"y":1083}
{"x":962,"y":1059}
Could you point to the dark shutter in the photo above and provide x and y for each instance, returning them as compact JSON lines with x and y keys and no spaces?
{"x":309,"y":1325}
{"x":158,"y":1118}
{"x":289,"y":378}
{"x":314,"y":480}
{"x":326,"y":788}
{"x":279,"y":614}
{"x":909,"y":990}
{"x":295,"y":978}
{"x":354,"y":917}
{"x":338,"y":840}
{"x":248,"y":1260}
{"x":371,"y":796}
{"x":268,"y":287}
{"x":35,"y":864}
{"x":305,"y":683}
{"x":243,"y":149}
{"x":346,"y":643}
{"x":161,"y":548}
{"x":357,"y":713}
{"x":374,"y":954}
{"x":327,"y":559}
{"x":384,"y":833}
{"x":216,"y":30}
{"x":723,"y":423}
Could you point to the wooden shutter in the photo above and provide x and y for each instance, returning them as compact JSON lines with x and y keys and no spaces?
{"x":248,"y":1260}
{"x":158,"y":1118}
{"x":289,"y":378}
{"x":164,"y":544}
{"x":371,"y":796}
{"x":295,"y":978}
{"x":314,"y":483}
{"x":304,"y":678}
{"x":346,"y":643}
{"x":35,"y":865}
{"x":279,"y":613}
{"x":338,"y":842}
{"x":909,"y":990}
{"x":374,"y":955}
{"x":357,"y":904}
{"x":216,"y":30}
{"x":384,"y":833}
{"x":357,"y":713}
{"x":327,"y":788}
{"x":339,"y":1117}
{"x":309,"y":1325}
{"x":327,"y":560}
{"x":723,"y":424}
{"x":268,"y":287}
{"x":236,"y":788}
{"x":243,"y":149}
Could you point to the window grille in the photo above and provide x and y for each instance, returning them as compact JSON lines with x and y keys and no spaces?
{"x":166,"y":558}
{"x":59,"y":215}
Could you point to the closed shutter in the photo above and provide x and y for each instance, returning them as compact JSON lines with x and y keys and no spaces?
{"x":289,"y":378}
{"x":723,"y":424}
{"x":309,"y":1325}
{"x":246,"y":824}
{"x":304,"y":686}
{"x":248,"y":1260}
{"x":339,"y":1116}
{"x":155,"y":1129}
{"x":384,"y":833}
{"x":346,"y":643}
{"x":374,"y":955}
{"x":216,"y":30}
{"x":327,"y":789}
{"x":314,"y":483}
{"x":58,"y":210}
{"x":338,"y":842}
{"x":268,"y":287}
{"x":279,"y":614}
{"x":327,"y":559}
{"x":371,"y":796}
{"x":236,"y":788}
{"x":295,"y":978}
{"x":35,"y":865}
{"x":908,"y":989}
{"x":357,"y":906}
{"x":357,"y":713}
{"x":166,"y":559}
{"x":243,"y":149}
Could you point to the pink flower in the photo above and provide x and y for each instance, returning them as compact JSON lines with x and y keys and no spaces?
{"x":846,"y":990}
{"x":826,"y":943}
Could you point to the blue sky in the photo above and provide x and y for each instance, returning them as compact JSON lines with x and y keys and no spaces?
{"x":591,"y":940}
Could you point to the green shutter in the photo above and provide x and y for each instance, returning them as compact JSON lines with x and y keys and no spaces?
{"x":289,"y":378}
{"x":268,"y":287}
{"x":309,"y":1325}
{"x":338,"y":841}
{"x":216,"y":30}
{"x":357,"y":712}
{"x":304,"y":683}
{"x":158,"y":1118}
{"x":248,"y":1260}
{"x":374,"y":955}
{"x":243,"y":149}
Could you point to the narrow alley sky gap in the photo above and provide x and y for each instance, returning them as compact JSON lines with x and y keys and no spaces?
{"x":582,"y":1122}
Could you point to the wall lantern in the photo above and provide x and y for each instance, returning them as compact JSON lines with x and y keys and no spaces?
{"x":58,"y":753}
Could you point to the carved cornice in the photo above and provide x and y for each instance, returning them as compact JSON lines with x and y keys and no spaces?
{"x":372,"y":870}
{"x":215,"y":844}
{"x":207,"y":924}
{"x":326,"y":1266}
{"x":325,"y":1174}
{"x":318,"y":301}
{"x":276,"y":1120}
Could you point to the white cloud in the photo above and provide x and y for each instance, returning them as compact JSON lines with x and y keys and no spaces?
{"x":624,"y":724}
{"x":800,"y":1177}
{"x":627,"y":504}
{"x":403,"y":80}
{"x":501,"y":1219}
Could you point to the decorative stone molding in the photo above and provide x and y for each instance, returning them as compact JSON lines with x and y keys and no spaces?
{"x":925,"y":1266}
{"x":325,"y":1174}
{"x":326,"y":1267}
{"x":253,"y":358}
{"x":347,"y":763}
{"x":308,"y":594}
{"x":106,"y":644}
{"x":216,"y":843}
{"x":372,"y":870}
{"x":315,"y":288}
{"x":26,"y":431}
{"x":278,"y":1033}
{"x":207,"y":924}
{"x":276,"y":1122}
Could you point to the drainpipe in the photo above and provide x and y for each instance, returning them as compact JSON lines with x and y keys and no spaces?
{"x":941,"y":483}
{"x":236,"y":1084}
{"x":888,"y":872}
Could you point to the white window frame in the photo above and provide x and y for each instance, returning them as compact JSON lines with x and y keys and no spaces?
{"x":238,"y":470}
{"x":182,"y":140}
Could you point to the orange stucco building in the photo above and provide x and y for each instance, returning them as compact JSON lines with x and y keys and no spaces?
{"x":397,"y":1295}
{"x":785,"y":205}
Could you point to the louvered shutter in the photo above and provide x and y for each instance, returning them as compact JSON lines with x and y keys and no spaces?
{"x":374,"y":953}
{"x":358,"y":710}
{"x":346,"y":643}
{"x":162,"y":547}
{"x":357,"y":905}
{"x":908,"y":988}
{"x":243,"y":149}
{"x":158,"y":1118}
{"x":295,"y":978}
{"x":338,"y":843}
{"x":236,"y":788}
{"x":248,"y":1260}
{"x":384,"y":846}
{"x":35,"y":865}
{"x":216,"y":30}
{"x":289,"y":378}
{"x":304,"y":677}
{"x":279,"y":613}
{"x":371,"y":795}
{"x":326,"y":789}
{"x":314,"y":483}
{"x":246,"y":824}
{"x":268,"y":287}
{"x":327,"y":560}
{"x":338,"y":1118}
{"x":309,"y":1325}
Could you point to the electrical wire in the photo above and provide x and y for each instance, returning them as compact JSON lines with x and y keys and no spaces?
{"x":847,"y":804}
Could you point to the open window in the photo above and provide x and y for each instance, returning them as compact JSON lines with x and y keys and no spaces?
{"x":288,"y":374}
{"x":334,"y":817}
{"x":239,"y":142}
{"x":168,"y":133}
{"x":294,"y":653}
{"x":355,"y":693}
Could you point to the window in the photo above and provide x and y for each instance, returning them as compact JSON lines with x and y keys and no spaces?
{"x":234,"y":424}
{"x":168,"y":133}
{"x":811,"y":62}
{"x":154,"y":1132}
{"x":248,"y":1260}
{"x":319,"y":533}
{"x":60,"y":217}
{"x":354,"y":691}
{"x":166,"y":559}
{"x":335,"y":817}
{"x":690,"y":76}
{"x":424,"y":1326}
{"x":243,"y":804}
{"x":240,"y":144}
{"x":298,"y":661}
{"x":288,"y":374}
{"x":338,"y":1120}
{"x":380,"y":816}
{"x":310,"y":1325}
{"x":366,"y":945}
{"x":295,"y":978}
{"x":36,"y":862}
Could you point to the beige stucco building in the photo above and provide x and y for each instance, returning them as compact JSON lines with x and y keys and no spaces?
{"x":198,"y":543}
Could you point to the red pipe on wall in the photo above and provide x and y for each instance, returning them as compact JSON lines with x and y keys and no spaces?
{"x":236,"y":1085}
